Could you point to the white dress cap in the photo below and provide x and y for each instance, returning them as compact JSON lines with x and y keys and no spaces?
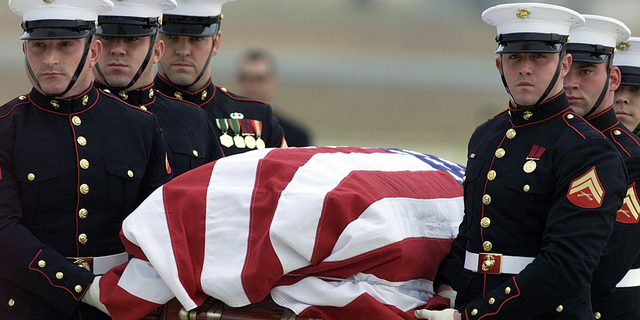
{"x":599,"y":30}
{"x":198,"y":8}
{"x":628,"y":53}
{"x":532,"y":18}
{"x":140,"y":8}
{"x":32,"y":10}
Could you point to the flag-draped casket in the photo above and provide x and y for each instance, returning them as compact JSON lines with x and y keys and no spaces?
{"x":330,"y":232}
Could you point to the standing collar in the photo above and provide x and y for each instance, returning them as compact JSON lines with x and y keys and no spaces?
{"x":199,"y":97}
{"x":542,"y":112}
{"x":604,"y":120}
{"x":70,"y":105}
{"x":143,"y":96}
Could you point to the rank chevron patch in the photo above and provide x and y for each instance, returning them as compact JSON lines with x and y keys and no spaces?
{"x":586,"y":191}
{"x":630,"y":211}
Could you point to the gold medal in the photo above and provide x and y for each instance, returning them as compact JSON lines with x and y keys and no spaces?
{"x":239,"y":142}
{"x":529,"y":166}
{"x":250,"y":141}
{"x":226,"y":140}
{"x":260,"y":143}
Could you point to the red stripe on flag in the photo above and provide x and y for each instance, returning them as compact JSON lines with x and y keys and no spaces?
{"x":185,"y":205}
{"x":379,"y":185}
{"x":363,"y":307}
{"x":274,"y":173}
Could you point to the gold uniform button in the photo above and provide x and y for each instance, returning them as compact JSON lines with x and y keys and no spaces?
{"x":511,"y":133}
{"x":78,"y":288}
{"x":84,"y":164}
{"x":526,"y":188}
{"x":491,"y":175}
{"x":82,"y":238}
{"x":474,"y":312}
{"x":223,"y":89}
{"x":597,"y":315}
{"x":22,"y":98}
{"x":83,"y":213}
{"x":143,"y":108}
{"x":485,"y":222}
{"x":12,"y":302}
{"x":178,"y":94}
{"x":486,"y":199}
{"x":82,"y":141}
{"x":59,"y":275}
{"x":617,"y":132}
{"x":464,"y":178}
{"x":76,"y":121}
{"x":492,"y":301}
{"x":31,"y":176}
{"x":195,"y":153}
{"x":569,"y":116}
{"x":42,"y":264}
{"x":500,"y":153}
{"x":559,"y":308}
{"x":507,"y":290}
{"x":487,"y":246}
{"x":130,"y":173}
{"x":84,"y":188}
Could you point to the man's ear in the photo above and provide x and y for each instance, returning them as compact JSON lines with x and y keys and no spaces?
{"x":94,"y":52}
{"x":566,"y":64}
{"x":216,"y":43}
{"x":158,"y":51}
{"x":615,"y":77}
{"x":498,"y":64}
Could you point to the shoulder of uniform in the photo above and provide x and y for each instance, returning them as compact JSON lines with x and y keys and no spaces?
{"x":173,"y":100}
{"x":626,"y":140}
{"x":238,"y":98}
{"x":116,"y":101}
{"x":11,"y":105}
{"x":580,"y":126}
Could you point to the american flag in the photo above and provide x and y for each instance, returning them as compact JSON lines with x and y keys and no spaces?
{"x":328,"y":232}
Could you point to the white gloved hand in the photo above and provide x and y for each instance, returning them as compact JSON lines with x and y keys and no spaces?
{"x":446,"y":314}
{"x":451,"y":294}
{"x":92,"y":296}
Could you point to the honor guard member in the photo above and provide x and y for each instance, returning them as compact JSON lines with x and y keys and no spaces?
{"x":191,"y":34}
{"x":74,"y":162}
{"x":627,"y":97}
{"x":590,"y":86}
{"x":541,"y":187}
{"x":125,"y":68}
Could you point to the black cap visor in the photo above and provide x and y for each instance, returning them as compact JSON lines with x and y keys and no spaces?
{"x":56,"y":29}
{"x":530,"y":43}
{"x":126,"y":27}
{"x":589,"y":52}
{"x":630,"y":76}
{"x":176,"y":25}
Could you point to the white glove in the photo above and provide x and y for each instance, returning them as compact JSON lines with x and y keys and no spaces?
{"x":451,"y":294}
{"x":446,"y":314}
{"x":92,"y":296}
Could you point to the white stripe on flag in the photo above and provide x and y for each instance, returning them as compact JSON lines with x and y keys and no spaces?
{"x":393,"y":219}
{"x":294,"y":239}
{"x":141,"y":280}
{"x":314,"y":291}
{"x":227,"y":225}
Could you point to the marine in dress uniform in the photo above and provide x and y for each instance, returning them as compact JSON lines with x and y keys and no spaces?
{"x":627,"y":97}
{"x":191,"y":140}
{"x":616,"y":280}
{"x":241,"y":124}
{"x":541,"y":189}
{"x":73,"y":165}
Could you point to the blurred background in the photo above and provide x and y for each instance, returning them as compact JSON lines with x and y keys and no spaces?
{"x":411,"y":74}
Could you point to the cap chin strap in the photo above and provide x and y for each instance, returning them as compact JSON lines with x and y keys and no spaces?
{"x":76,"y":74}
{"x":546,"y":92}
{"x":604,"y":90}
{"x":206,"y":65}
{"x":140,"y":70}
